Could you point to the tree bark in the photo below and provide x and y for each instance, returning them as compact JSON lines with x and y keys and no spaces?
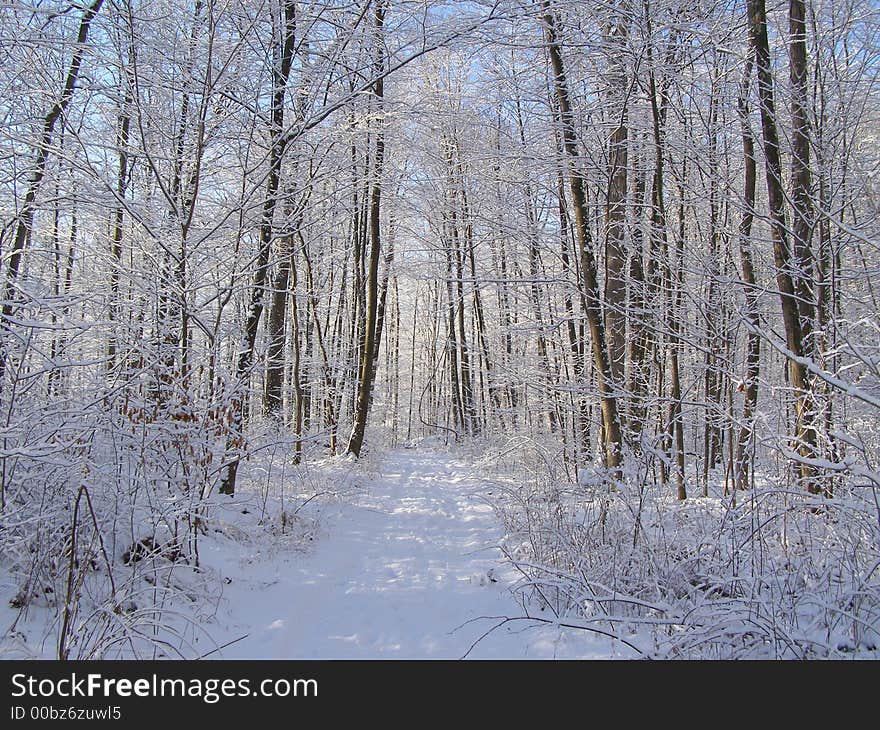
{"x":589,"y":282}
{"x":275,"y":329}
{"x":805,"y":430}
{"x":280,"y":75}
{"x":615,"y":211}
{"x":753,"y":354}
{"x":367,"y":368}
{"x":124,"y":122}
{"x":25,"y":219}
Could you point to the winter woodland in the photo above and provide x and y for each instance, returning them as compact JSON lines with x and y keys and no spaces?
{"x":513,"y":328}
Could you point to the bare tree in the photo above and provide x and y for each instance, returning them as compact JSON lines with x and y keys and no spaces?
{"x":24,"y":219}
{"x":794,"y":310}
{"x":372,"y":333}
{"x":589,"y":281}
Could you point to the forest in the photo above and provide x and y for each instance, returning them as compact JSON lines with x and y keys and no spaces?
{"x":584,"y":286}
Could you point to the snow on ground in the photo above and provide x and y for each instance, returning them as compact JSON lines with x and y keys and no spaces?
{"x":406,"y":568}
{"x":392,"y":556}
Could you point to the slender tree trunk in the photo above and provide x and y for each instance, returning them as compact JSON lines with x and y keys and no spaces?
{"x":458,"y":411}
{"x":367,"y":369}
{"x":534,"y":275}
{"x":24,"y":220}
{"x":331,"y":390}
{"x":753,"y":353}
{"x":63,"y":286}
{"x":615,"y":211}
{"x":711,"y":374}
{"x":825,"y":280}
{"x":275,"y":329}
{"x":299,"y":401}
{"x":575,"y":340}
{"x":801,"y":181}
{"x":659,"y":273}
{"x":589,"y":282}
{"x":676,"y":291}
{"x":465,"y":374}
{"x":786,"y":263}
{"x":280,"y":75}
{"x":639,"y":326}
{"x":118,"y":221}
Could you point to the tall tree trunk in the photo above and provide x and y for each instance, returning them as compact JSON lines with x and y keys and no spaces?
{"x":24,"y":220}
{"x":801,"y":191}
{"x":173,"y":315}
{"x":826,"y":274}
{"x":280,"y":75}
{"x":640,"y":344}
{"x":675,"y":288}
{"x":534,"y":275}
{"x":753,"y":352}
{"x":711,"y":375}
{"x":367,"y":368}
{"x":575,"y":340}
{"x":299,"y":404}
{"x":659,"y":271}
{"x":615,"y":209}
{"x":458,"y":412}
{"x":482,"y":336}
{"x":124,"y":123}
{"x":589,"y":281}
{"x":332,"y":395}
{"x":275,"y":329}
{"x":805,"y":428}
{"x":465,"y":374}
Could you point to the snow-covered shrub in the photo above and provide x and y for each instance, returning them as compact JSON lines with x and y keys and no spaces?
{"x":774,"y":574}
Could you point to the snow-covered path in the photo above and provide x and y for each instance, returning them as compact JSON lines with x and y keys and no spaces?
{"x":405,"y":571}
{"x":400,"y":569}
